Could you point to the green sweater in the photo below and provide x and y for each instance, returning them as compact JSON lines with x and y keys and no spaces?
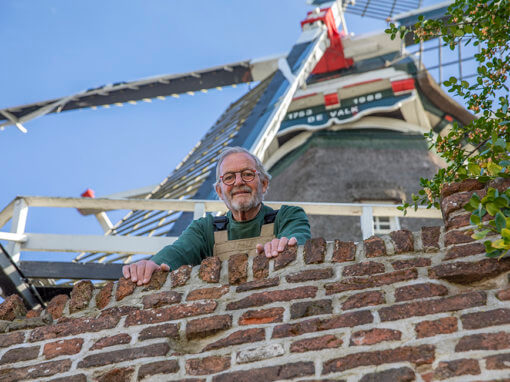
{"x":197,"y":241}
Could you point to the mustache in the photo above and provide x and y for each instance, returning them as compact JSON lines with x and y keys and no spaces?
{"x":240,"y":189}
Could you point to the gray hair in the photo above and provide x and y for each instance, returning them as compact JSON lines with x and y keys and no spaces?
{"x":264,"y":175}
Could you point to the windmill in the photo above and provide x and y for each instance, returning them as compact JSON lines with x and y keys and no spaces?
{"x":333,"y":99}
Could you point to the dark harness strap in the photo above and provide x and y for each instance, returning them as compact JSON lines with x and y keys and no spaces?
{"x":220,"y":223}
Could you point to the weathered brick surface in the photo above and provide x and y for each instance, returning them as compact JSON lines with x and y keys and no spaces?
{"x":238,"y":269}
{"x":56,"y":306}
{"x":430,"y":238}
{"x":362,"y":299}
{"x":317,"y":343}
{"x":456,"y":368}
{"x":309,"y":275}
{"x":271,"y":373}
{"x":159,"y":367}
{"x":424,"y":290}
{"x":174,"y":312}
{"x":19,"y":354}
{"x":374,"y":247}
{"x":479,"y":320}
{"x":403,"y":241}
{"x":180,"y":276}
{"x":263,"y":316}
{"x":315,"y":250}
{"x":125,"y":287}
{"x":374,"y":336}
{"x":422,"y":308}
{"x":371,"y":282}
{"x":435,"y":327}
{"x":258,"y":284}
{"x":122,"y":338}
{"x":411,"y":263}
{"x":205,"y":327}
{"x":158,"y":279}
{"x":210,"y":269}
{"x":458,"y":237}
{"x":462,"y":272}
{"x":455,"y":202}
{"x":288,"y":255}
{"x":104,"y":296}
{"x":403,"y":374}
{"x":115,"y":356}
{"x":158,"y":331}
{"x":207,"y":293}
{"x":262,"y":298}
{"x":260,"y":266}
{"x":465,"y":185}
{"x":418,"y":355}
{"x":310,"y":308}
{"x":464,"y":251}
{"x":71,"y":378}
{"x":32,"y":313}
{"x":484,"y":341}
{"x":62,"y":347}
{"x":207,"y":365}
{"x":34,"y":372}
{"x":12,"y":308}
{"x":117,"y":375}
{"x":458,"y":221}
{"x":157,"y":300}
{"x":239,"y":337}
{"x":81,"y":295}
{"x":363,"y":269}
{"x":503,"y":295}
{"x":10,"y":339}
{"x":498,"y":361}
{"x":343,"y":251}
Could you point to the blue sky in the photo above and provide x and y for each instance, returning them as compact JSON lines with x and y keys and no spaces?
{"x":55,"y":48}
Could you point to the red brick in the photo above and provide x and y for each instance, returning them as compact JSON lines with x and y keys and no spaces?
{"x":104,"y":296}
{"x":118,"y":311}
{"x":207,"y":293}
{"x":238,"y":269}
{"x":258,"y":284}
{"x":411,"y":263}
{"x":479,"y":320}
{"x":456,"y":368}
{"x":56,"y":306}
{"x":158,"y":279}
{"x":264,"y":316}
{"x":315,"y":250}
{"x":464,"y":250}
{"x":455,"y":202}
{"x":374,"y":336}
{"x":117,"y":375}
{"x":116,"y":356}
{"x":258,"y":299}
{"x":484,"y":341}
{"x":458,"y":221}
{"x":374,"y":247}
{"x":356,"y":283}
{"x":180,"y":276}
{"x":418,"y":355}
{"x":430,"y":238}
{"x":12,"y":308}
{"x":175,"y":312}
{"x":71,"y":378}
{"x":498,"y":361}
{"x":415,"y":291}
{"x":9,"y":339}
{"x":157,"y":300}
{"x":122,"y":338}
{"x":309,"y":275}
{"x":422,"y":308}
{"x":310,"y":308}
{"x":260,"y":266}
{"x":81,"y":295}
{"x":40,"y":370}
{"x":362,"y":299}
{"x":62,"y":347}
{"x":158,"y":331}
{"x":462,"y":272}
{"x":363,"y":269}
{"x":159,"y":367}
{"x":503,"y":295}
{"x":288,"y":255}
{"x":208,"y":326}
{"x":465,"y":185}
{"x":403,"y":241}
{"x":269,"y":373}
{"x":403,"y":374}
{"x":208,"y":365}
{"x":125,"y":287}
{"x":19,"y":355}
{"x":210,"y":269}
{"x":315,"y":325}
{"x":343,"y":251}
{"x":458,"y":237}
{"x":433,"y":328}
{"x":239,"y":337}
{"x":317,"y":343}
{"x":500,"y":184}
{"x":73,"y":327}
{"x":33,"y":313}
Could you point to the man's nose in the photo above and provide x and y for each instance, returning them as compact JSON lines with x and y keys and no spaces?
{"x":239,"y":179}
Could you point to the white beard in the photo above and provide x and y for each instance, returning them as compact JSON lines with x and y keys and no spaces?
{"x":246,"y":205}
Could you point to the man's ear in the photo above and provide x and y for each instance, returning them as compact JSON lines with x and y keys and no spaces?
{"x":218,"y":191}
{"x":265,"y":184}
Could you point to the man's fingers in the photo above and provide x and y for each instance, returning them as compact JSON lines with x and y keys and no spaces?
{"x":150,"y":267}
{"x":141,"y":271}
{"x":125,"y":271}
{"x":133,"y":272}
{"x":260,"y":248}
{"x":164,"y":267}
{"x":274,"y":247}
{"x":267,"y":249}
{"x":292,"y":241}
{"x":281,"y":245}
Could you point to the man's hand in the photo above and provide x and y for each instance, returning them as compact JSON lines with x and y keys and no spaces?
{"x":276,"y":246}
{"x":141,"y":271}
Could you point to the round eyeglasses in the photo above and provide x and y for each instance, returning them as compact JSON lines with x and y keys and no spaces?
{"x":229,"y":178}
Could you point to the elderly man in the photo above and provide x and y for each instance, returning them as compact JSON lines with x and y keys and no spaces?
{"x":241,"y":182}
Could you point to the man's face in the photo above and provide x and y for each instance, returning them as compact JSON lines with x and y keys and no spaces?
{"x":240,"y":196}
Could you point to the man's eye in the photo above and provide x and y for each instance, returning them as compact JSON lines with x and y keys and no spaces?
{"x":228,"y":177}
{"x":248,"y":174}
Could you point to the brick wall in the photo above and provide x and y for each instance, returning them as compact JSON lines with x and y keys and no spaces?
{"x":409,"y":306}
